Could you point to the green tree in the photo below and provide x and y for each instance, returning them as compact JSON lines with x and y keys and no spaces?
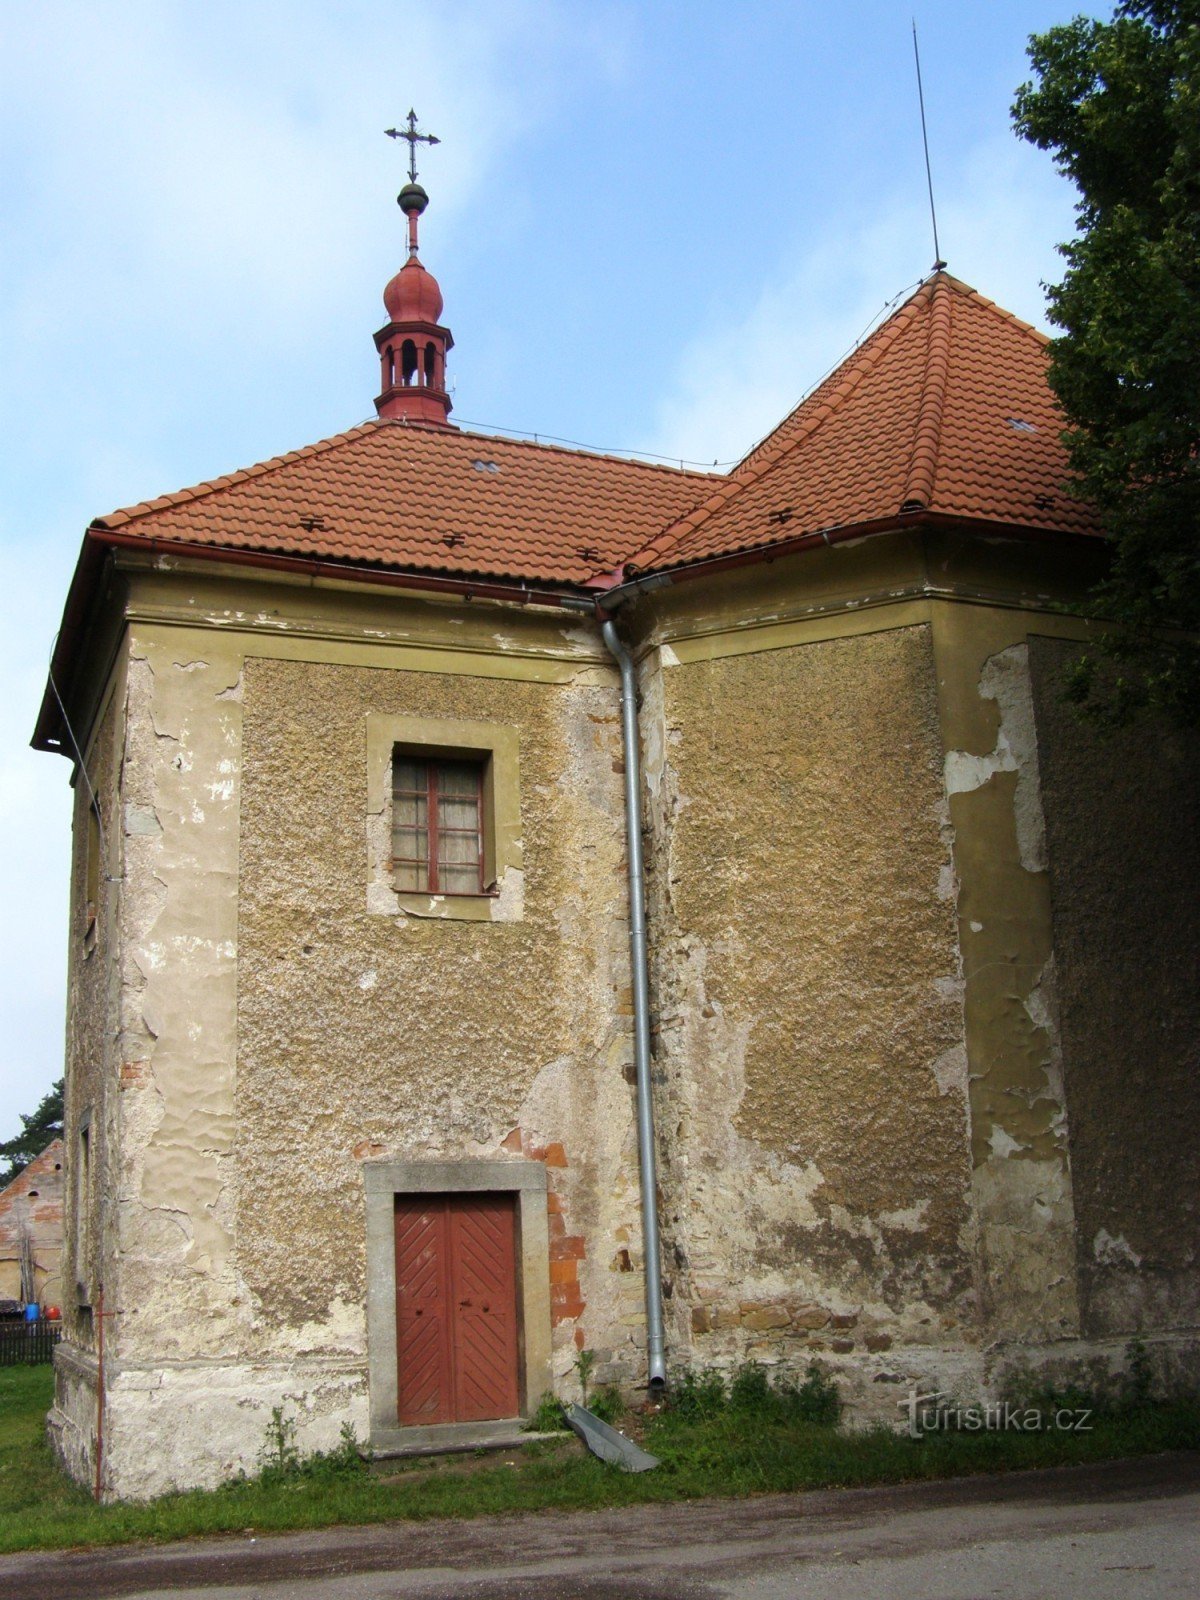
{"x":1118,"y":103}
{"x":37,"y":1130}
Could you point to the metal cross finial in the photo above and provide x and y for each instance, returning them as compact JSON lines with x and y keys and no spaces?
{"x":414,"y":139}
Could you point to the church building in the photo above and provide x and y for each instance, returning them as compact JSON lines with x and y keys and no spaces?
{"x":528,"y":901}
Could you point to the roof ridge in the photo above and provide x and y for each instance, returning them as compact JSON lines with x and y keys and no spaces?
{"x":568,"y":450}
{"x":851,"y":372}
{"x":146,"y":508}
{"x":927,"y":439}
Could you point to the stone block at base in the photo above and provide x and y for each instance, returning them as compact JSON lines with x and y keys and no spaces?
{"x":195,"y":1425}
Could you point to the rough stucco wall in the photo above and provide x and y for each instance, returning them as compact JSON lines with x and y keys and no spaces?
{"x":363,"y":1036}
{"x":92,"y":969}
{"x":810,"y":1027}
{"x":1021,"y":1180}
{"x":178,"y":997}
{"x":1123,"y":826}
{"x":90,"y":1007}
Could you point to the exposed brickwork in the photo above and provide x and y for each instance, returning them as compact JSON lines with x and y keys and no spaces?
{"x":567,"y":1250}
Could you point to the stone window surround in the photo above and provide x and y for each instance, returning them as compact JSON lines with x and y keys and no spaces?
{"x":494,"y":743}
{"x":382,"y":1182}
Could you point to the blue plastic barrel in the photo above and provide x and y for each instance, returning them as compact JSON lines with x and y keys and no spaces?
{"x":32,"y":1313}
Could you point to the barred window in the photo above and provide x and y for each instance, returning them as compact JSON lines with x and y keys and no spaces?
{"x":437,"y":825}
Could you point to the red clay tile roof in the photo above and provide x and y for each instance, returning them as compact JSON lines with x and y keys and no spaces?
{"x":944,"y":409}
{"x":429,"y":499}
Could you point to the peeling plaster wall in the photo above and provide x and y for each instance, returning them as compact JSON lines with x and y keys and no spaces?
{"x":412,"y":1037}
{"x":1123,"y":824}
{"x":93,"y":969}
{"x":810,"y":1031}
{"x":264,"y":1043}
{"x":1022,"y":1178}
{"x":870,"y":1019}
{"x":178,"y":997}
{"x":165,"y":1073}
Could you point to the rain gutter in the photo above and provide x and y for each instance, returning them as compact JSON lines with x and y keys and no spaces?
{"x":763,"y":555}
{"x":323,"y":567}
{"x":639,"y":965}
{"x":99,"y":541}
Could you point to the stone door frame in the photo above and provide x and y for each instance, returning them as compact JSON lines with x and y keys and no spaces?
{"x":382,"y":1182}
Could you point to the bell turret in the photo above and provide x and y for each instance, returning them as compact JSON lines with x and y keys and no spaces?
{"x":413,"y":344}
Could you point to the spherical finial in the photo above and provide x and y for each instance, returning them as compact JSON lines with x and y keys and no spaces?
{"x":412,"y":198}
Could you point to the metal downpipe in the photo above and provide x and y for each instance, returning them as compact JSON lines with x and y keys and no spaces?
{"x":655,"y":1344}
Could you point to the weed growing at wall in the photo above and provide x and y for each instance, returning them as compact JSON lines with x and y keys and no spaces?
{"x":1127,"y":1394}
{"x":584,"y":1362}
{"x":548,"y":1418}
{"x":281,"y":1461}
{"x":607,"y":1403}
{"x":752,"y":1392}
{"x":708,"y":1444}
{"x":279,"y":1456}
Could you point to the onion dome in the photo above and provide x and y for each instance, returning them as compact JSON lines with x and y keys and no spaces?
{"x":413,"y":294}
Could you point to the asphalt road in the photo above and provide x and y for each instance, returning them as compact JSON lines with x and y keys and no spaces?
{"x":1122,"y":1531}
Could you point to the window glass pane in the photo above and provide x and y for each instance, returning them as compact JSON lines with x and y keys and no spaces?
{"x":410,"y":858}
{"x":410,"y":810}
{"x":458,"y":848}
{"x":458,"y":814}
{"x":459,"y":880}
{"x":408,"y":774}
{"x":458,"y":778}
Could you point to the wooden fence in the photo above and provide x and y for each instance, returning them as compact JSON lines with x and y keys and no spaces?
{"x":28,"y":1344}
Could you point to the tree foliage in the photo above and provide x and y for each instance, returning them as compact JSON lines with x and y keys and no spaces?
{"x":1118,"y":103}
{"x":37,"y":1131}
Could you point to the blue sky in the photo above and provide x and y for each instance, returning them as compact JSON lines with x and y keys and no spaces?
{"x":655,"y":226}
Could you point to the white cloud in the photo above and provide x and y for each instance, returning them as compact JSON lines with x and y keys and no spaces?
{"x":739,"y":377}
{"x":192,"y":195}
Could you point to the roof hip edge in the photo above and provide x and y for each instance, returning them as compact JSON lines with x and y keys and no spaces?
{"x":923,"y":464}
{"x":843,"y":381}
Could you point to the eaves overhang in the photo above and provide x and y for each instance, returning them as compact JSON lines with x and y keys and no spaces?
{"x":604,"y":594}
{"x":100,"y":543}
{"x":638,"y":581}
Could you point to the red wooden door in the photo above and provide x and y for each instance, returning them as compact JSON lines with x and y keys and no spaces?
{"x":456,"y":1308}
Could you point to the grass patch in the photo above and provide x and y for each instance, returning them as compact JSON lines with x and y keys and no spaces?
{"x":750,"y":1438}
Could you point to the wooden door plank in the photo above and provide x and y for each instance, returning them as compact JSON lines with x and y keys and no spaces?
{"x":482,"y":1239}
{"x":424,"y":1356}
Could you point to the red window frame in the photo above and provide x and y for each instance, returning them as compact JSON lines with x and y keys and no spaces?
{"x":431,"y":865}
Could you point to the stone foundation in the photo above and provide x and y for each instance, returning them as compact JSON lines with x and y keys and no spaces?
{"x":196,"y":1424}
